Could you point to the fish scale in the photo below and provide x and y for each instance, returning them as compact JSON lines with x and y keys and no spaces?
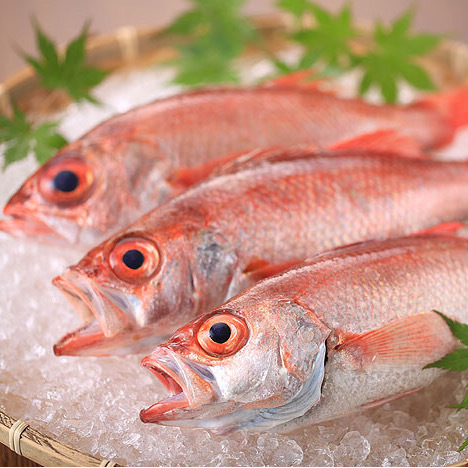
{"x":358,"y":288}
{"x":368,"y":197}
{"x":242,"y":119}
{"x":225,"y":234}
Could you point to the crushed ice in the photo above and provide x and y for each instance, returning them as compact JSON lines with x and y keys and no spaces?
{"x":93,"y":404}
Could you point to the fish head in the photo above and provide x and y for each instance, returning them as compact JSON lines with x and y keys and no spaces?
{"x":139,"y":285}
{"x":84,"y":192}
{"x":240,"y":368}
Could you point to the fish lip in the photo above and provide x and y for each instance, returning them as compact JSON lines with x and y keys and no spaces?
{"x":25,"y":222}
{"x":90,"y":302}
{"x":73,"y":344}
{"x":22,"y":225}
{"x":173,"y":382}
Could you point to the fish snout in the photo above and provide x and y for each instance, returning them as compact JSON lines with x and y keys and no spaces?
{"x":16,"y":205}
{"x":181,"y":338}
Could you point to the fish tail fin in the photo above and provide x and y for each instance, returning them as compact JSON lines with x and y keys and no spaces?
{"x":453,"y":105}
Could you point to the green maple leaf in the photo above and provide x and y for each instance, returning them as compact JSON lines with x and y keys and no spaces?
{"x":329,"y":39}
{"x":463,"y":404}
{"x":460,"y":330}
{"x":297,"y":7}
{"x":20,"y":138}
{"x":68,"y":73}
{"x":327,"y":42}
{"x":457,"y":360}
{"x":216,"y":34}
{"x":393,"y":58}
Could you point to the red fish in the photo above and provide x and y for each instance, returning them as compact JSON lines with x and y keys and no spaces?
{"x":216,"y":239}
{"x":125,"y":166}
{"x":349,"y":329}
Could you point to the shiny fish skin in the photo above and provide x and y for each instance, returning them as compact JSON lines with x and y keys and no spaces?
{"x":129,"y":159}
{"x":371,"y":305}
{"x":205,"y":243}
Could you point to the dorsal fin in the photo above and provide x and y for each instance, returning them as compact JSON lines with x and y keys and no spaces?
{"x":304,"y":79}
{"x":266,"y":155}
{"x":184,"y":177}
{"x":441,"y":229}
{"x":386,"y":141}
{"x":259,"y":269}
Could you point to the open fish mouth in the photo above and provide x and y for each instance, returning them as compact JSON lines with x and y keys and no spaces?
{"x":194,"y":395}
{"x":103,"y":319}
{"x":165,"y":409}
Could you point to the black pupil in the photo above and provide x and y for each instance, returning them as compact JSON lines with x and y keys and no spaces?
{"x":134,"y":259}
{"x":220,"y":332}
{"x":66,"y":181}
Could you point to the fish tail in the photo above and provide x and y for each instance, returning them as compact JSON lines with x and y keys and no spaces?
{"x":453,"y":105}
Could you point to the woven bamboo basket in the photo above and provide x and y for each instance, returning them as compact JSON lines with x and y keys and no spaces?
{"x":130,"y":47}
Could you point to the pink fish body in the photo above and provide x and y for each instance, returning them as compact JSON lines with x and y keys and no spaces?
{"x":125,"y":166}
{"x":220,"y":237}
{"x":348,"y":329}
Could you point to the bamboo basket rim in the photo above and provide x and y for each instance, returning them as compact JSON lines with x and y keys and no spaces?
{"x":129,"y":46}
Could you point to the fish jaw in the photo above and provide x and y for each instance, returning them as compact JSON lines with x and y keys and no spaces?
{"x":23,"y":224}
{"x":27,"y":228}
{"x":89,"y":340}
{"x":95,"y":305}
{"x":76,"y":342}
{"x":193,"y":390}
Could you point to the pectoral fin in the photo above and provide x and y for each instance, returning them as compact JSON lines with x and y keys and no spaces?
{"x":416,"y":340}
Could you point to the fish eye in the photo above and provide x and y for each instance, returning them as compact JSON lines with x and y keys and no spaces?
{"x":223,"y":334}
{"x":67,"y":181}
{"x":220,"y":332}
{"x":134,"y":258}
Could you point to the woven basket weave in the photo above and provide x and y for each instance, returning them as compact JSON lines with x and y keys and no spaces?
{"x":131,"y":47}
